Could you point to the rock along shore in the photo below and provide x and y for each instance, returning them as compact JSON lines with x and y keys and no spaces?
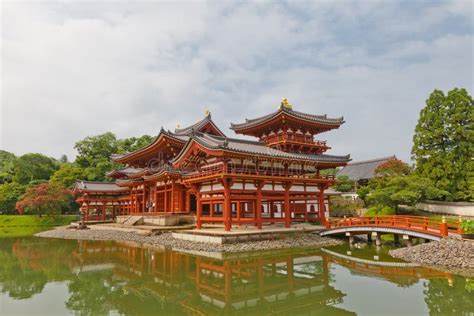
{"x":166,"y":240}
{"x":449,"y":252}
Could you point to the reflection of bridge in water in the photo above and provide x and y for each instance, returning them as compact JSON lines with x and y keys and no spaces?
{"x":391,"y":271}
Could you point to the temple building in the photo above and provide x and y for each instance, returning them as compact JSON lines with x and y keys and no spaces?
{"x":224,"y":181}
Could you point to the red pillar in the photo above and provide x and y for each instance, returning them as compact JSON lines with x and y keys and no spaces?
{"x":287,"y":206}
{"x":188,"y":201}
{"x":172,"y":197}
{"x":322,"y":216}
{"x":166,"y":198}
{"x":227,"y":207}
{"x":87,"y":211}
{"x":155,"y":198}
{"x":258,"y":206}
{"x":143,"y":199}
{"x":198,"y":210}
{"x":103,"y":212}
{"x":132,"y":201}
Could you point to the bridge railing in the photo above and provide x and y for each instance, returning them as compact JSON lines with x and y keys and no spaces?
{"x":432,"y":225}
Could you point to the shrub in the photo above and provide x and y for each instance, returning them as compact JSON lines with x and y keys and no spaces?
{"x":380,"y":210}
{"x":468,"y":226}
{"x":343,"y":206}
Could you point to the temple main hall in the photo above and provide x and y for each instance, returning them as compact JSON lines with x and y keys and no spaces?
{"x":223,"y":181}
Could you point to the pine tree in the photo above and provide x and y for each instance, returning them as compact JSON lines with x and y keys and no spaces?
{"x":443,"y":144}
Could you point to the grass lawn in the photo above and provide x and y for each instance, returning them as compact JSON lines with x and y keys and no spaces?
{"x":27,"y":225}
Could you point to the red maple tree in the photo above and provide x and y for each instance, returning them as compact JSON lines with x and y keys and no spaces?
{"x":44,"y":198}
{"x":392,"y":167}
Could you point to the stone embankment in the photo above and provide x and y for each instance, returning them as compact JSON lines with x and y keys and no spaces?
{"x":166,"y":240}
{"x":449,"y":252}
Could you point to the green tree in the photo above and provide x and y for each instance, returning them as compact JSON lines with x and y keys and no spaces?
{"x":400,"y":190}
{"x":6,"y":166}
{"x":443,"y":143}
{"x":95,"y":155}
{"x":9,"y":194}
{"x":134,"y":143}
{"x":343,"y":184}
{"x":329,"y":172}
{"x":363,"y":193}
{"x":45,"y":198}
{"x":63,"y":159}
{"x":31,"y":167}
{"x":67,"y":175}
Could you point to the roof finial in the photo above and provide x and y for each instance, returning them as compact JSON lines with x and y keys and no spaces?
{"x":178,"y":126}
{"x":207,"y":113}
{"x":285,"y":104}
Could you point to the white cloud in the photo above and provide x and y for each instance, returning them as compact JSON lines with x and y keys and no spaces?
{"x":73,"y":70}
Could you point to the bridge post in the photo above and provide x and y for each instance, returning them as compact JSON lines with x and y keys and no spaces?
{"x":351,"y":237}
{"x":444,"y":227}
{"x":378,"y":241}
{"x":396,"y":238}
{"x":369,"y":238}
{"x":409,"y":240}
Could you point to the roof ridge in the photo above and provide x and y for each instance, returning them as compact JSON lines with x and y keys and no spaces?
{"x":101,"y":182}
{"x":373,"y":160}
{"x":322,"y":118}
{"x":162,"y":132}
{"x":240,"y":140}
{"x":206,"y":118}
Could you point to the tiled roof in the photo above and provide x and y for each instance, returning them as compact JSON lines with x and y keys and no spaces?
{"x":197,"y":126}
{"x":98,"y":186}
{"x":123,"y":182}
{"x":181,"y":138}
{"x":363,"y":169}
{"x":127,"y":171}
{"x":165,"y":169}
{"x":308,"y":117}
{"x":259,"y":148}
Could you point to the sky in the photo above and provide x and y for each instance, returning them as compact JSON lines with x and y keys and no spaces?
{"x":74,"y":69}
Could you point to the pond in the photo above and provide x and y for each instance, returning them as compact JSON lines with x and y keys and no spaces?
{"x":63,"y":277}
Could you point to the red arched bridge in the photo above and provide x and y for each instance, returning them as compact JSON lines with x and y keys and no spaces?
{"x":411,"y":226}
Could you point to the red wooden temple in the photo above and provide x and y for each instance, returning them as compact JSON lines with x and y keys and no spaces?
{"x":222,"y":180}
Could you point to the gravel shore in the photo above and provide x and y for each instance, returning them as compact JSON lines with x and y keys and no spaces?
{"x":449,"y":252}
{"x":166,"y":240}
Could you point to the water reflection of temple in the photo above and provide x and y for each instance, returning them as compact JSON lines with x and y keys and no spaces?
{"x":103,"y":277}
{"x":278,"y":283}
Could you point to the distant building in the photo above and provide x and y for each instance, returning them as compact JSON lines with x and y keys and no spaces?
{"x":363,"y":171}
